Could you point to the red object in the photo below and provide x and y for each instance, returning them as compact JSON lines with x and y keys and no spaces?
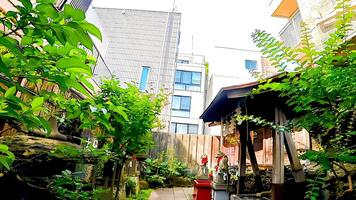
{"x":204,"y":160}
{"x":202,"y":190}
{"x":217,"y":163}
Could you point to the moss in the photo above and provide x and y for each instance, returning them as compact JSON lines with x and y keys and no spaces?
{"x":144,"y":185}
{"x":181,"y":182}
{"x":142,"y":195}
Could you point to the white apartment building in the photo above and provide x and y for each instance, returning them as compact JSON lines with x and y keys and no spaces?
{"x":319,"y":15}
{"x":188,"y":100}
{"x":232,"y":66}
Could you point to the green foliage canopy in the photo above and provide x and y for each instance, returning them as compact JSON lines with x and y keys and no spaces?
{"x":122,"y":116}
{"x":40,"y":44}
{"x":321,"y":89}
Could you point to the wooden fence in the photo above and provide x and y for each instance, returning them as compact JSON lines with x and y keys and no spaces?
{"x":186,"y":147}
{"x":189,"y":148}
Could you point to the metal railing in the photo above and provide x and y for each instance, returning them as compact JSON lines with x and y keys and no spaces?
{"x":80,"y":4}
{"x":290,"y":34}
{"x":100,"y":69}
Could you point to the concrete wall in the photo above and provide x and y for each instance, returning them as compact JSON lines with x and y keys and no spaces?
{"x":139,"y":38}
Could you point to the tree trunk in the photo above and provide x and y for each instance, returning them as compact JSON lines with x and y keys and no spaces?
{"x":119,"y":169}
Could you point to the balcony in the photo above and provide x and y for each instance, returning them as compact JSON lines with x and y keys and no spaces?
{"x":290,"y":34}
{"x":283,"y":8}
{"x":326,"y":24}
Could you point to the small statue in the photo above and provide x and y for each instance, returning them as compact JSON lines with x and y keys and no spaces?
{"x":204,"y":162}
{"x":224,"y":164}
{"x":219,"y":156}
{"x":221,"y":168}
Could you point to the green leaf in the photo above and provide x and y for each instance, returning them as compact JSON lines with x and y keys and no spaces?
{"x":4,"y":162}
{"x":4,"y":69}
{"x":27,"y":4}
{"x":78,"y":70}
{"x":87,"y":83}
{"x":37,"y":102}
{"x":74,"y":65}
{"x":3,"y":148}
{"x":8,"y":24}
{"x":46,"y":1}
{"x":48,"y":10}
{"x":49,"y":36}
{"x":10,"y":44}
{"x":60,"y":35}
{"x":121,"y":110}
{"x":10,"y":92}
{"x":11,"y":14}
{"x":76,"y":85}
{"x":92,"y":29}
{"x":26,"y":40}
{"x":71,"y":36}
{"x":75,"y":14}
{"x":83,"y":37}
{"x":45,"y":125}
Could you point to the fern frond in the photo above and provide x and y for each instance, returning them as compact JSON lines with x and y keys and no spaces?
{"x":274,"y":50}
{"x":343,"y":24}
{"x":308,"y":47}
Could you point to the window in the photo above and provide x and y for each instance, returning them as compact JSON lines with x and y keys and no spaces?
{"x":251,"y":65}
{"x":186,"y":80}
{"x":144,"y":78}
{"x":184,"y":128}
{"x":180,"y":61}
{"x":181,"y":106}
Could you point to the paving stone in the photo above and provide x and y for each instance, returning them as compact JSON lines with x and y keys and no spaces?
{"x":177,"y":193}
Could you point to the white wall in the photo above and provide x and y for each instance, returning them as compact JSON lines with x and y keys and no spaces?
{"x":231,"y":62}
{"x":92,"y":17}
{"x":227,"y":68}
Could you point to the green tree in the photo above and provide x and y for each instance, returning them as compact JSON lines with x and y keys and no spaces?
{"x":41,"y":45}
{"x":321,"y":89}
{"x":123,"y":117}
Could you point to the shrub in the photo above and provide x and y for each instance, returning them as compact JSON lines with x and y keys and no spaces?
{"x":144,"y":185}
{"x":131,"y":186}
{"x":163,"y":171}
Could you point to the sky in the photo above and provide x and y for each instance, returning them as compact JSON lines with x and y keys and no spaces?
{"x":209,"y":23}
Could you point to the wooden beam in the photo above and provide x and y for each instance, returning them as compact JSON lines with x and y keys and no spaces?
{"x":278,"y":161}
{"x":297,"y":168}
{"x":242,"y":160}
{"x":293,"y":158}
{"x":221,"y":135}
{"x":256,"y":170}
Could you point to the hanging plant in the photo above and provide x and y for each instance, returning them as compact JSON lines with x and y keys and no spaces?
{"x":231,"y":140}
